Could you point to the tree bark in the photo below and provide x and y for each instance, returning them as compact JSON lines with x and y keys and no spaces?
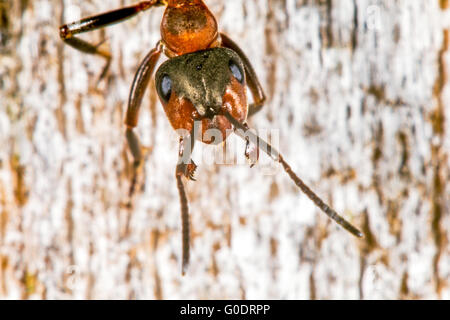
{"x":358,"y":95}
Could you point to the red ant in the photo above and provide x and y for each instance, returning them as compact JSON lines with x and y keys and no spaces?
{"x":203,"y":81}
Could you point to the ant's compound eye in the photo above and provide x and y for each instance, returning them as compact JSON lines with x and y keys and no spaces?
{"x":165,"y":87}
{"x":236,"y":71}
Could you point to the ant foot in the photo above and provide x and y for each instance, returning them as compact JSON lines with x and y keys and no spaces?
{"x":187,"y":170}
{"x":190,"y":171}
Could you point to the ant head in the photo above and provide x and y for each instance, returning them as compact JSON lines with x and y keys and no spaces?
{"x":199,"y":85}
{"x":188,"y":26}
{"x":201,"y":78}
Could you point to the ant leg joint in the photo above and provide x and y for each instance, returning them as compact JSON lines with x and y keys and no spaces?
{"x":134,"y":145}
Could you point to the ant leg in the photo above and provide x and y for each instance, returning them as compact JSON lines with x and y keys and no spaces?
{"x":252,"y":79}
{"x":276,"y":156}
{"x":68,"y":31}
{"x":140,"y":83}
{"x":135,"y":148}
{"x":185,"y":167}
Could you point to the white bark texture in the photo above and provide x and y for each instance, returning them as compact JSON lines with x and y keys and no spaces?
{"x":358,"y":90}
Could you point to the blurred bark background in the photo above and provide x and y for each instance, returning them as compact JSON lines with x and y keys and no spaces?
{"x":359,"y":92}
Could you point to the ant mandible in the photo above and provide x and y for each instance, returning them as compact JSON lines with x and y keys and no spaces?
{"x":203,"y":81}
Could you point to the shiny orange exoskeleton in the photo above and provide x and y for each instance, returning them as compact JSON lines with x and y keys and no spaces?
{"x":203,"y":84}
{"x":188,"y":26}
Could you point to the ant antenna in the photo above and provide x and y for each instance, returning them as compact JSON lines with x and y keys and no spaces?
{"x":276,"y":156}
{"x":184,"y":224}
{"x":185,"y":167}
